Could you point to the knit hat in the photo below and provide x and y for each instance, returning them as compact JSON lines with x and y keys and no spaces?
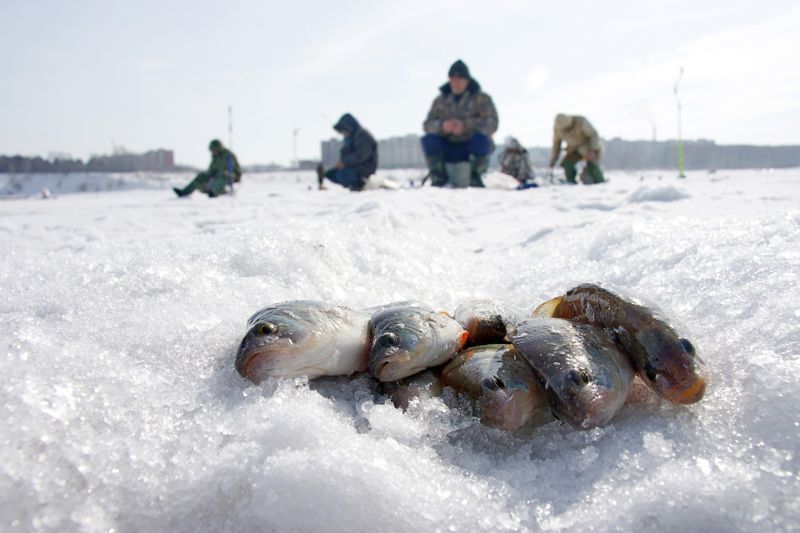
{"x":215,"y":144}
{"x":459,"y":70}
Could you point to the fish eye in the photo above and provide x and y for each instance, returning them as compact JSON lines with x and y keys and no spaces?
{"x":650,"y":371}
{"x":688,"y":346}
{"x":386,"y":340}
{"x":266,"y":328}
{"x":493,"y":383}
{"x":579,"y":377}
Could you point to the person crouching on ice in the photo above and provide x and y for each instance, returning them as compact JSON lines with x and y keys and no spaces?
{"x":458,"y":131}
{"x":223,"y":170}
{"x":582,"y":143}
{"x":514,"y":162}
{"x":358,"y":158}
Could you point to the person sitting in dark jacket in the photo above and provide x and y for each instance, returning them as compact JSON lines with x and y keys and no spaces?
{"x":358,"y":158}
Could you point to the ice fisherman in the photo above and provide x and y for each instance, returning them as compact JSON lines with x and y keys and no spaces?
{"x":583,"y":143}
{"x":458,"y":131}
{"x":358,"y":158}
{"x":514,"y":162}
{"x":223,"y":170}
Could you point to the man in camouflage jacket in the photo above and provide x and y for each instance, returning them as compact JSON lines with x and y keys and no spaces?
{"x":459,"y":127}
{"x":224,"y":168}
{"x":514,"y":161}
{"x":582,"y":143}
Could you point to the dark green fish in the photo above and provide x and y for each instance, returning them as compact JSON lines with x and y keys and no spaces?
{"x":661,"y":349}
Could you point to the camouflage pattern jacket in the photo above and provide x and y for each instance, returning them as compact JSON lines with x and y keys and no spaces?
{"x":514,"y":161}
{"x":473,"y":106}
{"x":580,"y":137}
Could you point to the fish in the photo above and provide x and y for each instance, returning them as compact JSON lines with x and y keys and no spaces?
{"x":402,"y":303}
{"x":408,"y":339}
{"x":425,"y":384}
{"x":304,"y":338}
{"x":585,"y":376}
{"x":503,"y":386}
{"x":484,"y":320}
{"x":662,"y":350}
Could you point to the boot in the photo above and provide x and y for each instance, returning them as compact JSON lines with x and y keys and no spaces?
{"x":180,"y":192}
{"x":479,"y":167}
{"x":215,"y":187}
{"x":436,"y":170}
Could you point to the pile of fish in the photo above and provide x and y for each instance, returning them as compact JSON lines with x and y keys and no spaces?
{"x":575,"y":358}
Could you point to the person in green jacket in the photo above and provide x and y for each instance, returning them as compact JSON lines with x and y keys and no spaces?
{"x":224,"y":169}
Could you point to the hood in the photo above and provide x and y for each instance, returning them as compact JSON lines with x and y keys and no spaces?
{"x":346,"y":123}
{"x":473,"y":87}
{"x":514,"y":144}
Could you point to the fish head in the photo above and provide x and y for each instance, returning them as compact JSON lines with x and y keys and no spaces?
{"x":589,"y":390}
{"x":276,"y":344}
{"x":583,"y":397}
{"x":584,"y":375}
{"x":484,"y":320}
{"x":409,"y":340}
{"x":671,"y":364}
{"x":506,"y":406}
{"x":393,"y":355}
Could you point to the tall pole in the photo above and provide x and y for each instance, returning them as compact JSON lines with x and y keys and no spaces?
{"x":680,"y":132}
{"x":230,"y":127}
{"x":295,"y":131}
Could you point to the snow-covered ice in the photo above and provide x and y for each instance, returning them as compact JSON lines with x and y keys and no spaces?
{"x":122,"y":312}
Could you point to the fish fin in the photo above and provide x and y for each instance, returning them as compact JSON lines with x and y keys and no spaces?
{"x":548,"y":308}
{"x":463,"y":337}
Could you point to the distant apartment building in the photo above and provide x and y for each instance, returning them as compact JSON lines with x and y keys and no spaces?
{"x":330,"y":151}
{"x":307,"y":164}
{"x":700,"y":154}
{"x":154,"y":160}
{"x":401,"y":152}
{"x":394,"y":152}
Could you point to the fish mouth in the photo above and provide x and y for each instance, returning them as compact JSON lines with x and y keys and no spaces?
{"x":253,"y":363}
{"x":392,"y":368}
{"x":596,"y":419}
{"x":582,"y":410}
{"x":506,"y":411}
{"x":689,"y":395}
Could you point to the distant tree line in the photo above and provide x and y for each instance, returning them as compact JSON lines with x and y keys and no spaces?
{"x":154,"y":160}
{"x":18,"y":164}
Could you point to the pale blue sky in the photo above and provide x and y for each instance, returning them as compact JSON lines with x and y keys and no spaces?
{"x":78,"y":75}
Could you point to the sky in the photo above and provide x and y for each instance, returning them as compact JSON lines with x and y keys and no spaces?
{"x":80,"y":77}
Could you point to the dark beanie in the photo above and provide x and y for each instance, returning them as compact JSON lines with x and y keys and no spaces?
{"x":459,"y":70}
{"x":215,"y":144}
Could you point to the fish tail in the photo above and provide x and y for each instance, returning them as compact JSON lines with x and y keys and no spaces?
{"x":548,"y":308}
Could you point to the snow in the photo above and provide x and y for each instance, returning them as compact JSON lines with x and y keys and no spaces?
{"x":26,"y":185}
{"x":122,"y":312}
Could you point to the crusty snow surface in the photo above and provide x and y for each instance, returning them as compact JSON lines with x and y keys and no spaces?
{"x":122,"y":311}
